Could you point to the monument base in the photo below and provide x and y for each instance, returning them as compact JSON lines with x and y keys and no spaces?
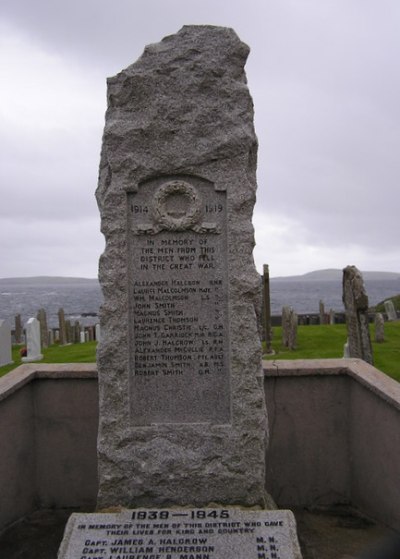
{"x":220,"y":533}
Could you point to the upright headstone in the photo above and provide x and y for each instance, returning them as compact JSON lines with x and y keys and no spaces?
{"x":331,"y":316}
{"x":321,"y":312}
{"x":33,"y":343}
{"x":62,"y":327}
{"x":5,"y":343}
{"x":293,"y":323}
{"x":355,"y":302}
{"x":18,"y":329}
{"x":44,"y":331}
{"x":91,"y":333}
{"x":390,"y":310}
{"x":286,"y":311}
{"x":182,"y":411}
{"x":267,"y":310}
{"x":379,"y":327}
{"x":76,"y":332}
{"x":69,"y":332}
{"x":50,"y":337}
{"x":97,"y":332}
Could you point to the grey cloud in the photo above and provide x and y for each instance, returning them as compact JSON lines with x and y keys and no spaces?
{"x":325,"y":82}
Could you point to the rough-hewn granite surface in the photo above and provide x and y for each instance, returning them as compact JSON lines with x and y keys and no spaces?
{"x":182,"y":112}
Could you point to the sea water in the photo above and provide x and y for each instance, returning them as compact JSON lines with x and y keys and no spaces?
{"x":81,"y":300}
{"x":304,"y":296}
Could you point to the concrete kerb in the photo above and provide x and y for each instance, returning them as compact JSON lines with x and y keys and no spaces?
{"x":369,"y":400}
{"x":17,"y":378}
{"x":341,"y":420}
{"x":383,"y":386}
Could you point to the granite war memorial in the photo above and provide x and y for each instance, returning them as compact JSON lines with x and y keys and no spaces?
{"x":182,"y":416}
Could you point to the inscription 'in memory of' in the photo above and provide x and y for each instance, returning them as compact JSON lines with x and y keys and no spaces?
{"x":178,"y":302}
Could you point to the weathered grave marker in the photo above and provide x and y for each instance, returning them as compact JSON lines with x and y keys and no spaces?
{"x":32,"y":329}
{"x":379,"y":327}
{"x":18,"y":329}
{"x":286,"y":311}
{"x":182,"y":411}
{"x":267,"y":309}
{"x":293,"y":323}
{"x":76,"y":332}
{"x":390,"y":310}
{"x":289,"y":327}
{"x":44,"y":331}
{"x":69,"y":332}
{"x":355,"y":301}
{"x":321,"y":312}
{"x":62,"y":327}
{"x":5,"y":343}
{"x":50,"y":337}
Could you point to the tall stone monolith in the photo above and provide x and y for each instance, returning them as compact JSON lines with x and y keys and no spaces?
{"x":355,"y":302}
{"x":44,"y":331}
{"x":182,"y":411}
{"x":379,"y":324}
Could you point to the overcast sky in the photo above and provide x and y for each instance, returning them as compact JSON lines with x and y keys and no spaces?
{"x":325,"y":80}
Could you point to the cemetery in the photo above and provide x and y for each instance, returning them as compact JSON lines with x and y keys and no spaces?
{"x":180,"y":442}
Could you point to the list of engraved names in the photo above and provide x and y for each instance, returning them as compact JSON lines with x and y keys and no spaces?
{"x":179,"y":306}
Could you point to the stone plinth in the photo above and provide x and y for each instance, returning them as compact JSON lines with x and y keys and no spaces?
{"x":185,"y":533}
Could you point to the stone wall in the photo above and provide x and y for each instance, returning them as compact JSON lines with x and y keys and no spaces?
{"x":334,"y":437}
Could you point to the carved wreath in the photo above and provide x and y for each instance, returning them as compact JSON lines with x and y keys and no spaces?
{"x":190,"y":217}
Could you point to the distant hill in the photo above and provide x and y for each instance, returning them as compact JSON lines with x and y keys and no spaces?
{"x":48,"y":280}
{"x":333,"y":274}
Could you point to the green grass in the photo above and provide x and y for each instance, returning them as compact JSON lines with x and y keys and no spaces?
{"x":74,"y":353}
{"x":327,"y":341}
{"x":313,"y":342}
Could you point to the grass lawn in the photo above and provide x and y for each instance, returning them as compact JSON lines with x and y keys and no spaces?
{"x":313,"y":342}
{"x":327,"y":341}
{"x":74,"y":353}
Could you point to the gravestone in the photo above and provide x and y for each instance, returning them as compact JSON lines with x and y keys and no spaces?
{"x":69,"y":332}
{"x":355,"y":302}
{"x":62,"y":327}
{"x":32,"y":329}
{"x":286,"y":311}
{"x":18,"y":329}
{"x":379,"y":327}
{"x":182,"y":411}
{"x":289,"y":327}
{"x":97,"y":332}
{"x":5,"y":343}
{"x":267,"y":309}
{"x":390,"y":310}
{"x":331,"y":316}
{"x":76,"y":332}
{"x":44,"y":331}
{"x":293,"y":323}
{"x":321,"y":312}
{"x":50,"y":337}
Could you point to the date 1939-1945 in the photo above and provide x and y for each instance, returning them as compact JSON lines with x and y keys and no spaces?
{"x":166,"y":514}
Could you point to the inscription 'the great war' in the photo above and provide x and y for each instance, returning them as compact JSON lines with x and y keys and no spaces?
{"x":178,"y":303}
